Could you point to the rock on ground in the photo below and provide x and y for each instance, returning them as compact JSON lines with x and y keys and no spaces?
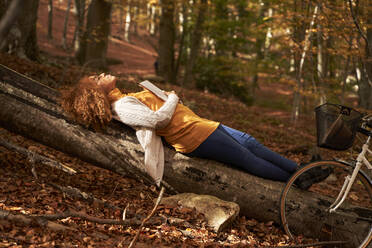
{"x":218,"y":213}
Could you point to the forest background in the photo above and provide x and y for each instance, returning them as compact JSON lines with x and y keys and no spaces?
{"x":274,"y":61}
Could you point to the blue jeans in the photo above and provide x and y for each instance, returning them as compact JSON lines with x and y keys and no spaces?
{"x":236,"y":148}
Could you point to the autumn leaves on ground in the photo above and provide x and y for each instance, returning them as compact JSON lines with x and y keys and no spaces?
{"x":32,"y":188}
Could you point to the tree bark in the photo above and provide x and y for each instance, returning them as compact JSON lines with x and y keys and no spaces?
{"x":50,"y":19}
{"x":29,"y":108}
{"x":22,"y":38}
{"x":300,"y":85}
{"x":365,"y":84}
{"x":8,"y":17}
{"x":181,"y":30}
{"x":128,"y":21}
{"x":79,"y":29}
{"x":195,"y":43}
{"x":166,"y":41}
{"x":27,"y":220}
{"x":151,"y":13}
{"x":259,"y":50}
{"x":64,"y":34}
{"x":93,"y":47}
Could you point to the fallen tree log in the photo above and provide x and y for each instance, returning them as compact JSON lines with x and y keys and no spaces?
{"x":30,"y":109}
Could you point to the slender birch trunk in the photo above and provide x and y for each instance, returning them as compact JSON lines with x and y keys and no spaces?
{"x":127,"y":21}
{"x":151,"y":13}
{"x":320,"y":62}
{"x":299,"y":88}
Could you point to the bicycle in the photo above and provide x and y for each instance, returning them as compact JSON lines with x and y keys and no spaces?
{"x":338,"y":208}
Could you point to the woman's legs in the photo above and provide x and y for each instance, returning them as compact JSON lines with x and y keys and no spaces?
{"x":222,"y":147}
{"x":260,"y":150}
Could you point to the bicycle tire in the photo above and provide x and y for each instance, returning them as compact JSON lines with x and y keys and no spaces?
{"x":303,"y":213}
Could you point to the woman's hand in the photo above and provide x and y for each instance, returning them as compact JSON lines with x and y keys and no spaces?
{"x":169,"y":92}
{"x":172,"y":92}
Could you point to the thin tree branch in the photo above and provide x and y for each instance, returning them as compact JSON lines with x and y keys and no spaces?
{"x":27,"y":220}
{"x":320,"y":244}
{"x":76,"y":193}
{"x":35,"y":157}
{"x":357,"y":23}
{"x":147,"y":218}
{"x":17,"y":240}
{"x":73,"y":214}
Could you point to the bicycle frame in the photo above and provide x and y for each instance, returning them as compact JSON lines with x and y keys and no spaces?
{"x":349,"y":180}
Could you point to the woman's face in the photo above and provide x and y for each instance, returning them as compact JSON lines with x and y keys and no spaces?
{"x":106,"y":81}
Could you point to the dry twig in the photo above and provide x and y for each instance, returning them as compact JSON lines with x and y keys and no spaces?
{"x":76,"y":193}
{"x":83,"y":216}
{"x":35,"y":157}
{"x":317,"y":244}
{"x":146,"y":219}
{"x":27,"y":220}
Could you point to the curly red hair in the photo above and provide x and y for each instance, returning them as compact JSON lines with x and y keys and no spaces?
{"x":87,"y":103}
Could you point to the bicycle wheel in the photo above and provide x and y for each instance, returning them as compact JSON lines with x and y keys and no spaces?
{"x":306,"y":212}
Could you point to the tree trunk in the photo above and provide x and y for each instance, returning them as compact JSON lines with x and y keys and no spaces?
{"x":135,"y":16}
{"x":320,"y":63}
{"x":259,"y":50}
{"x":166,"y":41}
{"x":128,"y":20}
{"x":182,"y":30}
{"x":221,"y":46}
{"x":121,"y":18}
{"x":29,"y":108}
{"x":300,"y":85}
{"x":79,"y":29}
{"x":365,"y":84}
{"x":64,"y":46}
{"x":155,"y":17}
{"x":94,"y":45}
{"x":9,"y":15}
{"x":195,"y":43}
{"x":50,"y":19}
{"x":22,"y":38}
{"x":151,"y":13}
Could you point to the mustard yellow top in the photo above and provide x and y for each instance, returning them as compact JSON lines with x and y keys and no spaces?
{"x":186,"y":130}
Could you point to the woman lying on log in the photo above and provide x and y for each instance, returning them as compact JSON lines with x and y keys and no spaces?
{"x":95,"y":100}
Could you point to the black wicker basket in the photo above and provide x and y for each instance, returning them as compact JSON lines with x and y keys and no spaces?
{"x":336,"y":126}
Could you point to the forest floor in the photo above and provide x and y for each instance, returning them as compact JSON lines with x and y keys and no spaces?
{"x":22,"y":192}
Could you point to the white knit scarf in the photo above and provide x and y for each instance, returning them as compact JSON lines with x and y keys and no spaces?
{"x":136,"y":114}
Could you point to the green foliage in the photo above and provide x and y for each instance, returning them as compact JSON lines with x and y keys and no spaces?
{"x":223,"y":75}
{"x":227,"y":32}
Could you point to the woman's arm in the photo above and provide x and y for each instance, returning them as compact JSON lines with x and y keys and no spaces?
{"x":133,"y":112}
{"x":164,"y":113}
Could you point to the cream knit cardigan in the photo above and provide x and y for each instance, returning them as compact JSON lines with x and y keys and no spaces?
{"x":136,"y":114}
